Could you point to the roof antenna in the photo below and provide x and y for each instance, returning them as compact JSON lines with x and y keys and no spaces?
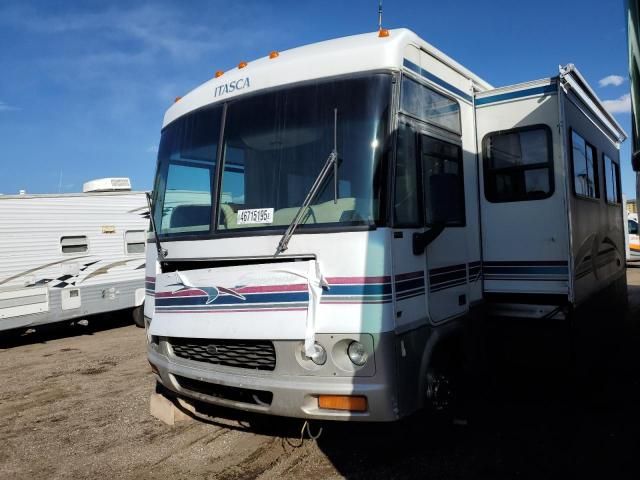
{"x":382,"y":32}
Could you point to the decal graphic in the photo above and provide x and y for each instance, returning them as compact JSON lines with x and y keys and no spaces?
{"x":211,"y":292}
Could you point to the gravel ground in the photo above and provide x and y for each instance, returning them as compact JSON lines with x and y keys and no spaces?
{"x":74,"y":404}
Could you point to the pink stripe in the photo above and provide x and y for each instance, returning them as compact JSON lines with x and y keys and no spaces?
{"x":357,"y":280}
{"x":150,"y":279}
{"x":407,"y":276}
{"x":355,"y":302}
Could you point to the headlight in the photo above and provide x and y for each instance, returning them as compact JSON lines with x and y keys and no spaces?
{"x":319,"y":355}
{"x":357,"y":353}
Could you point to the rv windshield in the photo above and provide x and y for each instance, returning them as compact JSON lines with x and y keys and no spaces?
{"x":273,"y":147}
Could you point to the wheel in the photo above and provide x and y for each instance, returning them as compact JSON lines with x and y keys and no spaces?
{"x":138,"y":316}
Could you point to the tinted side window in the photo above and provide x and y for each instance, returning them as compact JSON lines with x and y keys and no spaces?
{"x":406,"y":191}
{"x":585,"y":172}
{"x":443,"y":182}
{"x":611,"y":180}
{"x":518,"y":164}
{"x":633,"y":227}
{"x":428,"y":105}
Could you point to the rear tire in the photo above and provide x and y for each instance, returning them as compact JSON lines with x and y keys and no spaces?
{"x":138,"y":316}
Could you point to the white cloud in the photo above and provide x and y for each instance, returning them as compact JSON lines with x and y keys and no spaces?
{"x":615,"y":80}
{"x":620,"y":105}
{"x":5,"y":107}
{"x":152,"y":149}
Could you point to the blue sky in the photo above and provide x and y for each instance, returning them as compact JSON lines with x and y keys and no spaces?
{"x":84,"y":85}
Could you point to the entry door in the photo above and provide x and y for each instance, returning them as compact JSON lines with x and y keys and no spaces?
{"x":429,"y":194}
{"x":443,"y":197}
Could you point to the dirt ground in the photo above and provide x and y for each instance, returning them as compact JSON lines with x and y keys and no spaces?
{"x":74,"y":403}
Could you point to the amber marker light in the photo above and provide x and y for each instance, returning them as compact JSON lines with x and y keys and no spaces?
{"x":242,"y":64}
{"x":383,"y":32}
{"x":219,"y":73}
{"x":273,"y":55}
{"x":177,"y":99}
{"x":343,"y":402}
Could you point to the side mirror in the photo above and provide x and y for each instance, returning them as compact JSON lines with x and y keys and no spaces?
{"x":422,"y":240}
{"x":635,"y":161}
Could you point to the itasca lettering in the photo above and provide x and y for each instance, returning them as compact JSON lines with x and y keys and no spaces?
{"x":231,"y":86}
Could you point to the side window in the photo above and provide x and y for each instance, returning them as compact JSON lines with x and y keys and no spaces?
{"x":428,"y":105}
{"x":633,"y":227}
{"x":186,"y":165}
{"x":611,"y":180}
{"x":135,"y":241}
{"x":405,"y":204}
{"x":187,"y":200}
{"x":74,"y":244}
{"x":443,"y":182}
{"x":585,"y":171}
{"x":518,"y":164}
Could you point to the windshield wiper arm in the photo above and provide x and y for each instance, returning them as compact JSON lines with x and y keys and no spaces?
{"x":161,"y":251}
{"x":330,"y":164}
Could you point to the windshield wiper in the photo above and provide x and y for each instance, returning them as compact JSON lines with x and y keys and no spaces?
{"x":161,"y":251}
{"x":330,"y":164}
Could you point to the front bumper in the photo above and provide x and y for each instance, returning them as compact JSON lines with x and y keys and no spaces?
{"x":285,"y":391}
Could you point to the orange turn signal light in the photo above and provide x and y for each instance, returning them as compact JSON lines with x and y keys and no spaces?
{"x":343,"y":402}
{"x":177,"y":99}
{"x":242,"y":64}
{"x":273,"y":54}
{"x":383,"y":32}
{"x":219,"y":73}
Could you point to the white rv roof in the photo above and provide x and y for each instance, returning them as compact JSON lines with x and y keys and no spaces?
{"x":357,"y":53}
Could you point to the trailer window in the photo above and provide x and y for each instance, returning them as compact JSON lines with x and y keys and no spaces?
{"x":443,"y":181}
{"x":135,"y":241}
{"x":406,"y":207}
{"x":518,"y":164}
{"x":74,"y":244}
{"x":426,"y":104}
{"x":585,"y":171}
{"x":611,"y":180}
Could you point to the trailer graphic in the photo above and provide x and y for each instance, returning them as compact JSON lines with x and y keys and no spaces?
{"x":363,"y":201}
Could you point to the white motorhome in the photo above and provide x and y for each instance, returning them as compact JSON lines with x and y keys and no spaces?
{"x":71,"y":255}
{"x":633,"y":238}
{"x":352,"y":204}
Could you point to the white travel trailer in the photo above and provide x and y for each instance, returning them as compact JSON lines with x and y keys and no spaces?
{"x":72,"y":255}
{"x":353,"y":203}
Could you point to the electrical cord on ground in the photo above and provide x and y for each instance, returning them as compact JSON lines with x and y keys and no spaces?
{"x":305,"y":427}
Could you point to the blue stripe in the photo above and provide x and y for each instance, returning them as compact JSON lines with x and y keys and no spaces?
{"x":229,"y":300}
{"x":409,"y":285}
{"x":438,"y":81}
{"x":501,"y":97}
{"x":368,"y":289}
{"x":525,"y":270}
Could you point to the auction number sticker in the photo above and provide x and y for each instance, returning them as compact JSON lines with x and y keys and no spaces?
{"x":255,"y":215}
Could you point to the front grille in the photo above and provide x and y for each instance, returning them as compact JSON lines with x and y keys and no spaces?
{"x":251,"y":354}
{"x":235,"y":394}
